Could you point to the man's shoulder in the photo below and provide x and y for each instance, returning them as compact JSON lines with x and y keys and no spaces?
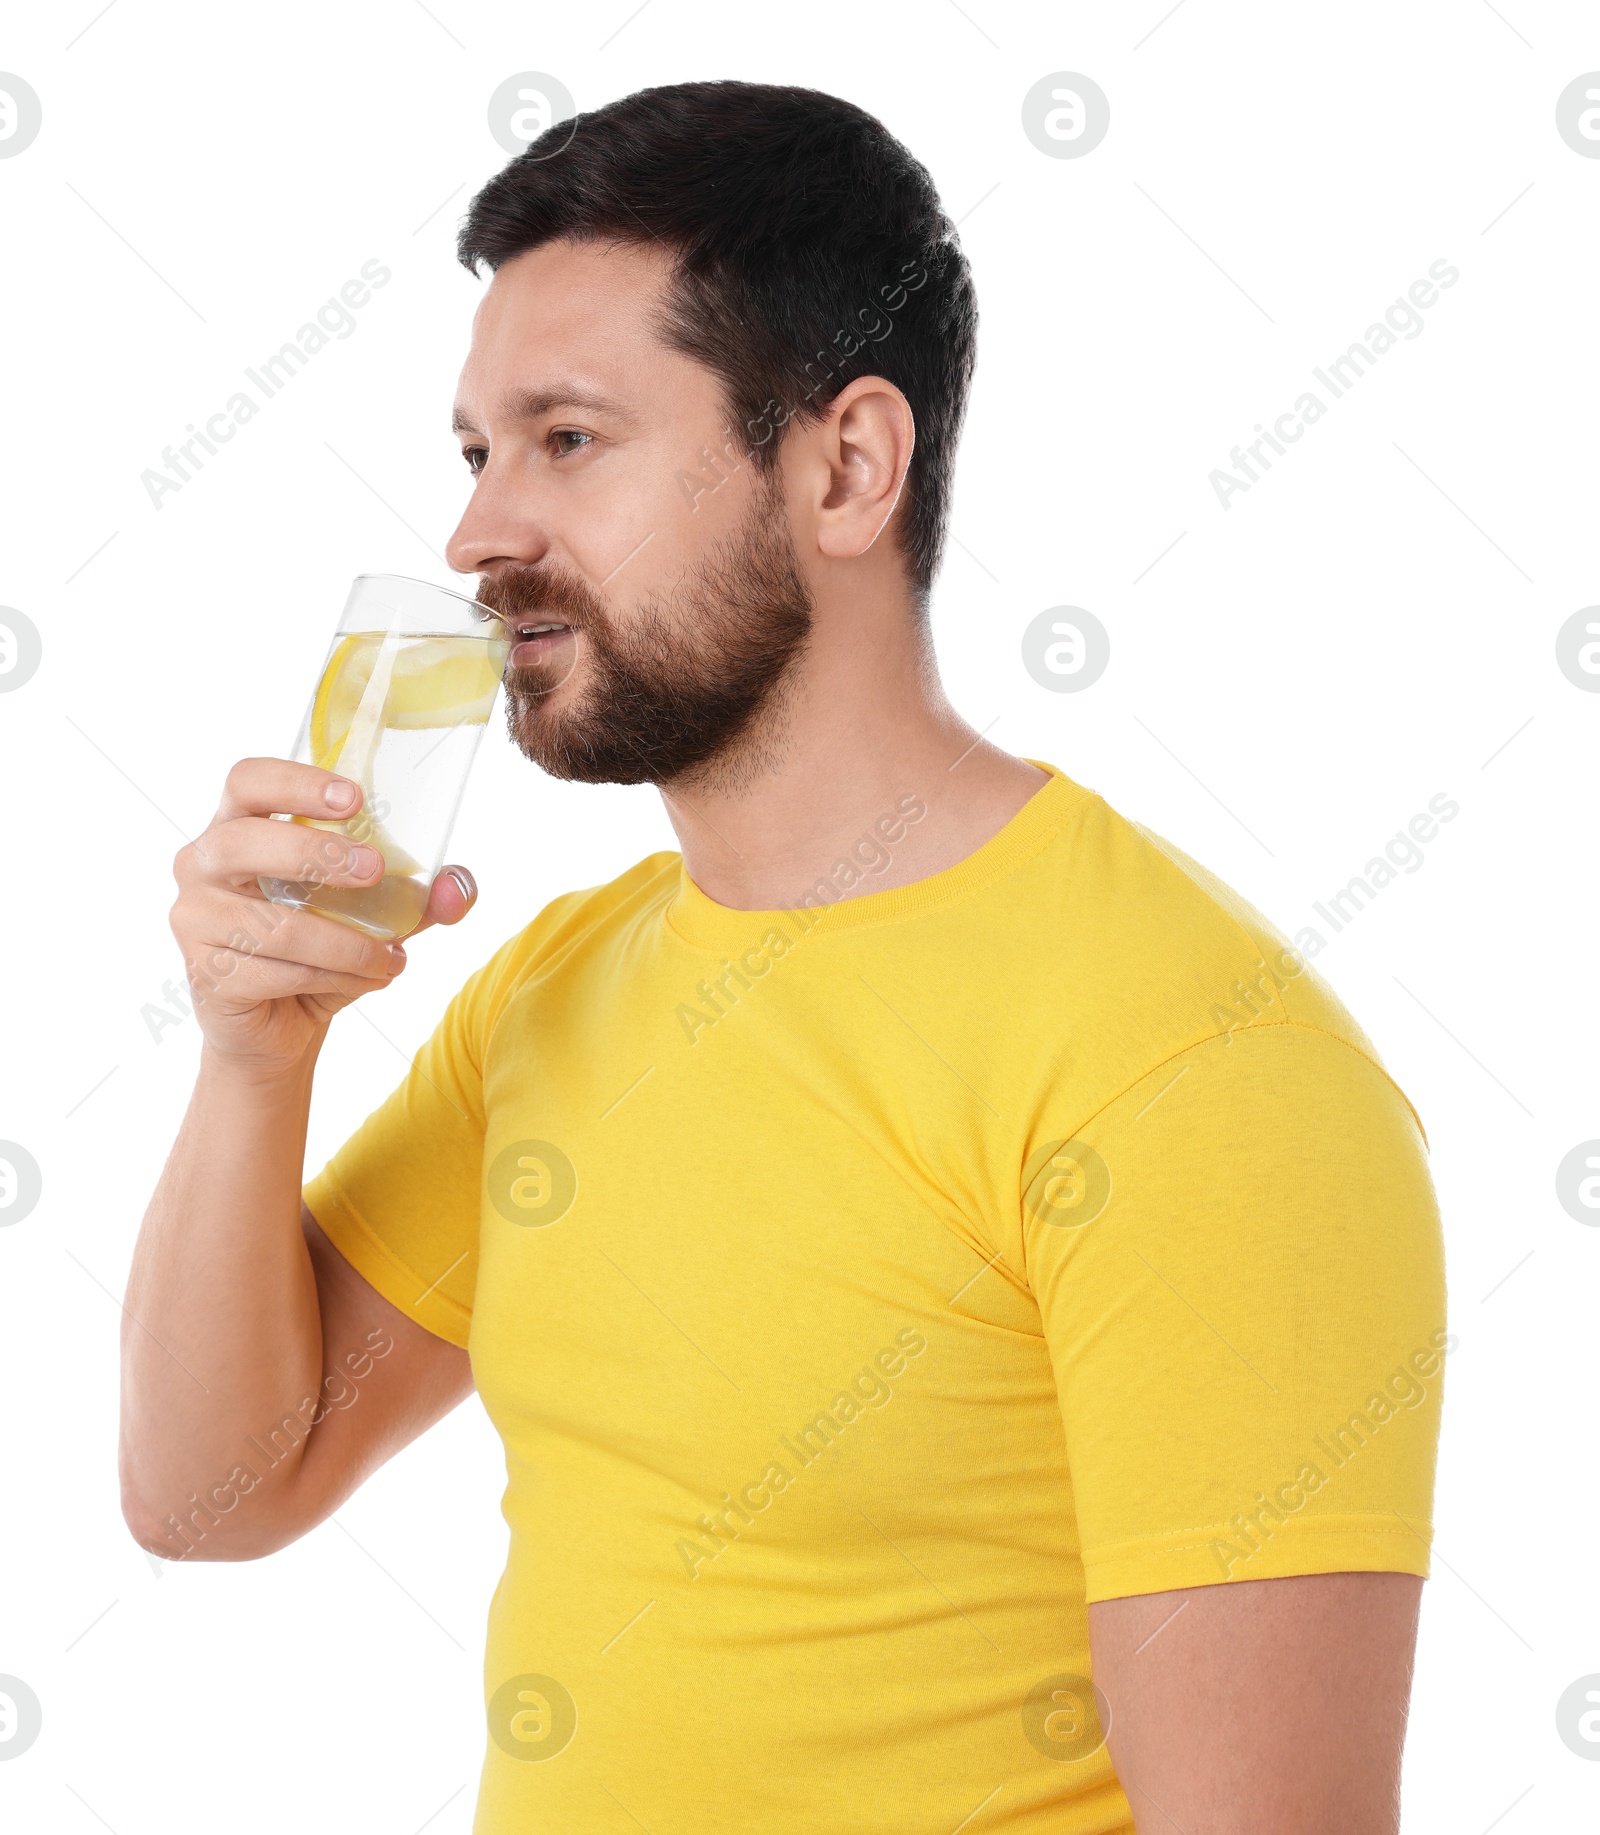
{"x":1143,"y":964}
{"x":646,"y":885}
{"x":1175,"y":944}
{"x":573,"y":920}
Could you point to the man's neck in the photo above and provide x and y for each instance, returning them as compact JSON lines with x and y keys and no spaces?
{"x":865,"y":767}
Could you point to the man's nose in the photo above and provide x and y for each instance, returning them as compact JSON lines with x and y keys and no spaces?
{"x":498,"y":525}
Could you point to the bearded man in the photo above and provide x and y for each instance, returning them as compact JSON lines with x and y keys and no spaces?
{"x":961,"y":1300}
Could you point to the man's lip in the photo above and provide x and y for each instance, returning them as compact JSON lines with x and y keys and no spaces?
{"x":531,"y":649}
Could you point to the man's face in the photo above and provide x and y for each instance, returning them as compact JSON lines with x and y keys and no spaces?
{"x":676,"y":599}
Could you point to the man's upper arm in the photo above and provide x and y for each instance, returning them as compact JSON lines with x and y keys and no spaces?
{"x":1260,"y":1704}
{"x":1238,"y":1266}
{"x":386,"y":1379}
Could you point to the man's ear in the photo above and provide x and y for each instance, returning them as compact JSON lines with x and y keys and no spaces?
{"x":864,"y":447}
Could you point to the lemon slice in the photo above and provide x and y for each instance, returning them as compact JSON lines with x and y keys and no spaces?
{"x":427,"y":682}
{"x":375,"y":683}
{"x":339,"y":694}
{"x":443,"y":681}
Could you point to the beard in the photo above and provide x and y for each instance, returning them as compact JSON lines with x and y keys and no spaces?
{"x":675,"y":693}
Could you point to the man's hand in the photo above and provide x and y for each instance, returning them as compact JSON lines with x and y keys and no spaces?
{"x":266,"y":979}
{"x":1261,"y":1704}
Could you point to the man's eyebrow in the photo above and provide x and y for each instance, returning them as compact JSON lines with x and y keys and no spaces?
{"x":531,"y":404}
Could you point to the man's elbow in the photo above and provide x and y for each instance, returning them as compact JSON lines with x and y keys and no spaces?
{"x":193,"y":1530}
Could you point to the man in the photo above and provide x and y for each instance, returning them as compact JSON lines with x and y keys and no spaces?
{"x":927,"y":1246}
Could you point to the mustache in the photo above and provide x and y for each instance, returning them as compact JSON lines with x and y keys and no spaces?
{"x":542,"y":592}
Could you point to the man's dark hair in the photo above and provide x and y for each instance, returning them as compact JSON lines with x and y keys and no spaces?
{"x":810,"y":247}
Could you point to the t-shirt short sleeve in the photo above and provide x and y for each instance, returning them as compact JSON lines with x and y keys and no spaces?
{"x":1239,"y":1267}
{"x":400,"y":1199}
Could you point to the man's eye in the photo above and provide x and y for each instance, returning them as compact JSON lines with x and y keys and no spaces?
{"x":476,"y":457}
{"x":563,"y":435}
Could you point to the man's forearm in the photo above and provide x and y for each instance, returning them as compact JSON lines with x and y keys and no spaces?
{"x":222,"y":1335}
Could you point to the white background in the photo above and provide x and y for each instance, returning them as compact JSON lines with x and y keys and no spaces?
{"x":1371,"y":624}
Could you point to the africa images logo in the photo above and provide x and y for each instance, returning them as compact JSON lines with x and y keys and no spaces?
{"x":871,"y":1388}
{"x":532,"y":1717}
{"x":1402,"y":319}
{"x":335,"y":319}
{"x":21,"y":115}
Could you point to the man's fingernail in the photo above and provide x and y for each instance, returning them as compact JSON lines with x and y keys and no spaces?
{"x":364,"y":860}
{"x":339,"y":795}
{"x":465,"y":881}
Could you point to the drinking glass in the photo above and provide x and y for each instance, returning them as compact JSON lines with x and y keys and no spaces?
{"x":402,"y":701}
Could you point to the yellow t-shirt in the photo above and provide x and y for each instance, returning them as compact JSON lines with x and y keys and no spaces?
{"x":862,"y":1290}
